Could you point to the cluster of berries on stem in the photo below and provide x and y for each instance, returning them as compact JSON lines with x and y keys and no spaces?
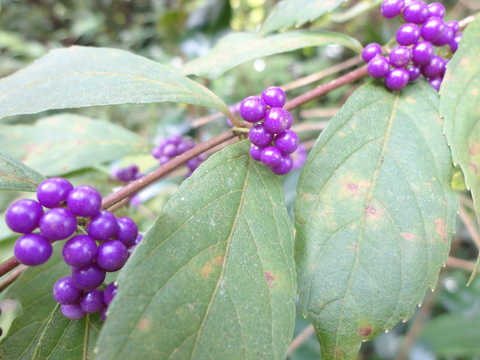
{"x":423,"y":30}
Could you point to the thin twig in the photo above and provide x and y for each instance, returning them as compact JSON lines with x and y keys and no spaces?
{"x":466,"y":200}
{"x":12,"y":277}
{"x":470,"y":225}
{"x":462,"y":264}
{"x":301,"y":338}
{"x":8,"y":265}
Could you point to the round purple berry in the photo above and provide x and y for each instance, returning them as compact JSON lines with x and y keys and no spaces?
{"x":432,"y":28}
{"x":53,"y":191}
{"x":454,"y":42}
{"x":176,"y":139}
{"x":286,"y":142}
{"x":65,"y":292}
{"x":185,"y":146}
{"x":434,"y":68}
{"x":445,"y":38}
{"x":255,"y":152}
{"x":79,"y":251}
{"x":194,"y":163}
{"x":23,"y":215}
{"x":57,"y":224}
{"x":413,"y":73}
{"x":391,"y":8}
{"x":378,"y":67}
{"x":270,"y":156}
{"x":422,"y":53}
{"x":84,"y":201}
{"x":72,"y":311}
{"x":284,"y":165}
{"x":454,"y":25}
{"x":253,"y":109}
{"x":370,"y":51}
{"x":103,"y":226}
{"x":88,"y":277}
{"x":436,"y":9}
{"x":277,"y":120}
{"x":435,"y":83}
{"x":32,"y":249}
{"x":92,"y":301}
{"x":162,"y":160}
{"x":408,"y":34}
{"x":396,"y":79}
{"x":127,"y":230}
{"x":400,"y":56}
{"x":416,"y":12}
{"x":274,"y":97}
{"x":109,"y":293}
{"x":260,"y":136}
{"x":156,"y":152}
{"x":112,"y":255}
{"x":125,"y":174}
{"x":170,"y":150}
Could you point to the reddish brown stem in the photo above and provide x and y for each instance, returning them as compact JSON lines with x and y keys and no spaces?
{"x":8,"y":265}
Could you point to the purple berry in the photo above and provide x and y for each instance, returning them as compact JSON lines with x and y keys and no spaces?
{"x":422,"y":53}
{"x":175,"y":139}
{"x":109,"y":293}
{"x":162,"y":160}
{"x":185,"y":146}
{"x":454,"y":25}
{"x":284,"y":165}
{"x":72,"y":311}
{"x":370,"y":51}
{"x":65,"y":292}
{"x":112,"y":255}
{"x":432,"y":28}
{"x":434,"y":68}
{"x":413,"y":73}
{"x":270,"y":156}
{"x":127,"y":230}
{"x":53,"y":191}
{"x":255,"y":152}
{"x":253,"y":109}
{"x":445,"y":63}
{"x":259,"y":136}
{"x":286,"y":142}
{"x":396,"y":79}
{"x":436,"y":9}
{"x":445,"y":38}
{"x":416,"y":12}
{"x":274,"y":97}
{"x":103,"y":226}
{"x":57,"y":224}
{"x":391,"y":8}
{"x":125,"y":174}
{"x":23,"y":215}
{"x":455,"y":42}
{"x":84,"y":201}
{"x":400,"y":56}
{"x":299,"y":157}
{"x":435,"y":83}
{"x":378,"y":67}
{"x":88,"y":277}
{"x":408,"y":34}
{"x":103,"y":313}
{"x":138,"y":239}
{"x":92,"y":301}
{"x":170,"y":150}
{"x":194,"y":163}
{"x":277,"y":120}
{"x":80,"y":250}
{"x":32,"y":249}
{"x":156,"y":152}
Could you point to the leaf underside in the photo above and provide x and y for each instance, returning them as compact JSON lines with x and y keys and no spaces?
{"x":214,"y":278}
{"x":14,"y":175}
{"x":374,"y":215}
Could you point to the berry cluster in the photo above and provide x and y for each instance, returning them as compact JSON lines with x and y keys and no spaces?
{"x":176,"y":145}
{"x":424,"y":29}
{"x":274,"y":129}
{"x":67,"y":207}
{"x":128,"y":173}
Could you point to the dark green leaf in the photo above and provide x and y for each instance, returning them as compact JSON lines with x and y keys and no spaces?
{"x":289,"y":13}
{"x":63,"y":143}
{"x":374,"y":215}
{"x":82,"y":76}
{"x":15,"y":175}
{"x":237,"y":48}
{"x":41,"y":331}
{"x":214,"y":278}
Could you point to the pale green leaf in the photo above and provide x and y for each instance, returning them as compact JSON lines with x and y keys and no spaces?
{"x":14,"y":175}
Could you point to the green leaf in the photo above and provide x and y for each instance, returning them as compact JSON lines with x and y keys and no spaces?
{"x":41,"y":331}
{"x":214,"y":278}
{"x":82,"y":76}
{"x":374,"y":215}
{"x":289,"y":13}
{"x":59,"y":144}
{"x":237,"y":48}
{"x":15,"y":175}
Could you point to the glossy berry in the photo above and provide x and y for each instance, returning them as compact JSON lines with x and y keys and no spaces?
{"x":103,"y":226}
{"x":260,"y":136}
{"x":53,"y":191}
{"x":127,"y":230}
{"x":408,"y":34}
{"x":112,"y":255}
{"x":413,"y":73}
{"x":422,"y":53}
{"x":23,"y":215}
{"x":80,"y":250}
{"x":277,"y":120}
{"x":255,"y":152}
{"x":156,"y":152}
{"x":284,"y":165}
{"x":370,"y":51}
{"x":400,"y":56}
{"x":84,"y":201}
{"x":432,"y":28}
{"x":92,"y":301}
{"x":391,"y":8}
{"x":109,"y":293}
{"x":57,"y":224}
{"x":454,"y":42}
{"x":436,"y":83}
{"x":436,"y":9}
{"x":270,"y":156}
{"x":378,"y":67}
{"x":286,"y":142}
{"x":253,"y":109}
{"x":73,"y":311}
{"x":434,"y":68}
{"x":65,"y":292}
{"x":32,"y":249}
{"x":396,"y":79}
{"x":274,"y":96}
{"x":445,"y":38}
{"x":454,"y":25}
{"x":88,"y":277}
{"x":416,"y":12}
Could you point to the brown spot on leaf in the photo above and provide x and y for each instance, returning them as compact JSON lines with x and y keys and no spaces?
{"x":441,"y":229}
{"x":270,"y":279}
{"x":207,"y":269}
{"x":308,"y":197}
{"x":352,"y":186}
{"x":144,"y":324}
{"x":464,"y":62}
{"x":474,"y":149}
{"x":365,"y":330}
{"x":219,"y":260}
{"x":408,"y":236}
{"x":474,"y":167}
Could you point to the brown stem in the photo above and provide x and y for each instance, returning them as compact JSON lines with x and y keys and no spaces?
{"x":9,"y":280}
{"x":460,"y":264}
{"x":470,"y":225}
{"x":301,"y":338}
{"x":8,"y":265}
